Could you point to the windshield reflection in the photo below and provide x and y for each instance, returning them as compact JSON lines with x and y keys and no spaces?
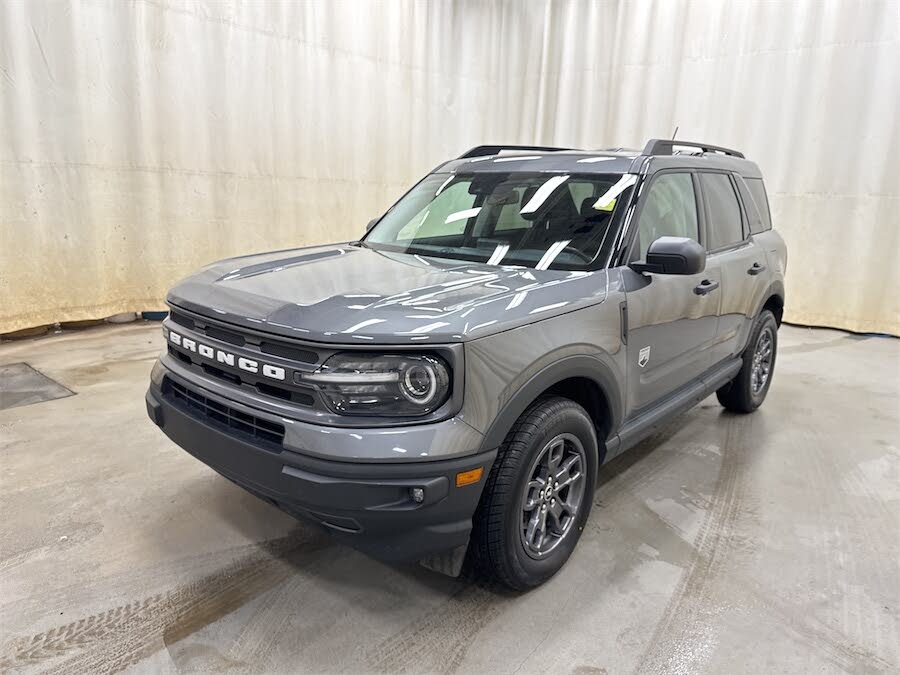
{"x":528,"y":219}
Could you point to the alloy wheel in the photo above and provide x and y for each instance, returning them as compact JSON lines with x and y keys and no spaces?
{"x":553,"y":495}
{"x":761,"y":366}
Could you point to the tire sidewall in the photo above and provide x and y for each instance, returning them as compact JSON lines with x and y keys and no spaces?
{"x":572,"y":420}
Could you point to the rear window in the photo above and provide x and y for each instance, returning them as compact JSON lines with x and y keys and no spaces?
{"x":761,"y":201}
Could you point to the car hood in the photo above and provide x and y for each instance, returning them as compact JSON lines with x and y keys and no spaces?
{"x":348,"y":294}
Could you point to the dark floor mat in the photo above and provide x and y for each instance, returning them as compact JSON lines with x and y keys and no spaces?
{"x":20,"y":384}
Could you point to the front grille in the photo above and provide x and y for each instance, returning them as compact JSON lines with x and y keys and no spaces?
{"x":292,"y":353}
{"x":233,"y":422}
{"x":254,"y":342}
{"x":225,"y":336}
{"x":182,"y":320}
{"x":304,"y":397}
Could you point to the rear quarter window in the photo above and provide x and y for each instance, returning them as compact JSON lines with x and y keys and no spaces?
{"x":761,"y":201}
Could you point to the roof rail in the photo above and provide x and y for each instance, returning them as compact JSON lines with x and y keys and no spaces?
{"x":664,"y":146}
{"x":485,"y":150}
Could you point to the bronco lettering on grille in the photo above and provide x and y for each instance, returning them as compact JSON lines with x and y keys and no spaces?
{"x":227,"y":358}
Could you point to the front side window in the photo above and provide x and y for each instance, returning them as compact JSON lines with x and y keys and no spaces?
{"x":724,"y":226}
{"x":670,"y":210}
{"x":539,"y":220}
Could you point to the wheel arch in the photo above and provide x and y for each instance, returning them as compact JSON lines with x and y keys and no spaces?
{"x":773,"y":300}
{"x":587,"y":380}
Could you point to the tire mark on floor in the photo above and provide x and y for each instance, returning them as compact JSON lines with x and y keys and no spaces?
{"x":817,"y":635}
{"x":853,"y":557}
{"x":265,"y":626}
{"x":438,"y":641}
{"x":806,"y":347}
{"x":78,"y":594}
{"x":123,"y":636}
{"x":268,"y":625}
{"x":686,"y":635}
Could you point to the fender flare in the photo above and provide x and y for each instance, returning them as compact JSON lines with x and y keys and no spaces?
{"x":590,"y":367}
{"x":775,"y":288}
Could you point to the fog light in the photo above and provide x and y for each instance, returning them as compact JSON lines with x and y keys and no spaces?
{"x":417,"y":495}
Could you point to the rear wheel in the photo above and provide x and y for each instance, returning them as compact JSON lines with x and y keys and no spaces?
{"x":746,"y":392}
{"x":537,"y":496}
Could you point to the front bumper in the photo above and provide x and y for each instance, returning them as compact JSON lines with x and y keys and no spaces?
{"x":367,"y":505}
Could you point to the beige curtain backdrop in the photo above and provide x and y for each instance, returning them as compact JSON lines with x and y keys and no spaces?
{"x":142,"y":139}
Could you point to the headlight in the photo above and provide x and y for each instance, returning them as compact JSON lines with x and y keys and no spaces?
{"x":377,"y":384}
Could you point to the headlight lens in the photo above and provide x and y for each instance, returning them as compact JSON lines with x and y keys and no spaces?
{"x":382,"y":384}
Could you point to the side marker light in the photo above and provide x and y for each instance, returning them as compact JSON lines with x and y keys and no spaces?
{"x":464,"y":478}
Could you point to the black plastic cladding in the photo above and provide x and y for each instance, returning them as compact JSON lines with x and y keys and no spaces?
{"x":266,"y":434}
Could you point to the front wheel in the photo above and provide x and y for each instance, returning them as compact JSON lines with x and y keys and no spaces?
{"x":537,"y":496}
{"x":746,"y":392}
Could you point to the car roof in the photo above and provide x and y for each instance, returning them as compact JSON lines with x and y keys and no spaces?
{"x":656,"y":155}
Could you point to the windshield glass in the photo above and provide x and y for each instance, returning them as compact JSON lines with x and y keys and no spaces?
{"x":539,"y":220}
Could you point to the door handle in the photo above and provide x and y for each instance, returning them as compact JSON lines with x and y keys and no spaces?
{"x":706,"y":286}
{"x":756,"y":269}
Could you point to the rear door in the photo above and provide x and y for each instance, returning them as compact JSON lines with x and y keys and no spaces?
{"x":671,"y":318}
{"x":741,"y":262}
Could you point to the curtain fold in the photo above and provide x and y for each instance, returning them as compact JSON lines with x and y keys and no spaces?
{"x":141,"y":140}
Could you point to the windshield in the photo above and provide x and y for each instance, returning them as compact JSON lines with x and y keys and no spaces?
{"x":539,"y":220}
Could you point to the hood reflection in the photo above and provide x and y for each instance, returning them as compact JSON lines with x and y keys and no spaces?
{"x":345,"y":293}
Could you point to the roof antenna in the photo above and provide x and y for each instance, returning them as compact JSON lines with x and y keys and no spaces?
{"x":675,"y":133}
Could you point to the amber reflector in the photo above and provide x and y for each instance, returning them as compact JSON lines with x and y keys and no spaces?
{"x":469,"y":477}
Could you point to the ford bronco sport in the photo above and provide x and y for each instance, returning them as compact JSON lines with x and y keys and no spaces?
{"x":445,"y":389}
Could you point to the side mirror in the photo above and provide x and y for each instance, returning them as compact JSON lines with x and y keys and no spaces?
{"x":372,"y":223}
{"x":673,"y":255}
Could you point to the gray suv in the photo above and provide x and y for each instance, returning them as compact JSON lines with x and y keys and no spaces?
{"x":445,"y":388}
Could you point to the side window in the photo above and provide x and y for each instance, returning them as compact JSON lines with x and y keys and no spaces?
{"x":446,"y":215}
{"x":758,"y":192}
{"x":670,"y":209}
{"x":723,"y":225}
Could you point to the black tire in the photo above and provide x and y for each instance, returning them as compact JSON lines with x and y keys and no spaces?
{"x":498,"y":549}
{"x":744,"y":394}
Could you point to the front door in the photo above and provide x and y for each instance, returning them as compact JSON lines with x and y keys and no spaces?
{"x":672,"y":319}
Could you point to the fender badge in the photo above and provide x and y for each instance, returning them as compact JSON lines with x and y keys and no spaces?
{"x":644,"y":356}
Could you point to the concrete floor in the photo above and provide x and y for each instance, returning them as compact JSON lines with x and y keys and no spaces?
{"x":725,"y":544}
